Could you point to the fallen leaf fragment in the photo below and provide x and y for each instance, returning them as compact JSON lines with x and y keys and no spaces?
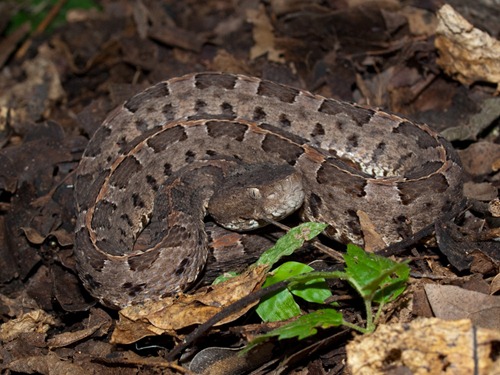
{"x":45,"y":364}
{"x":494,"y":207}
{"x":373,"y":240}
{"x":97,"y":324}
{"x":171,"y":314}
{"x":452,"y":303}
{"x":466,"y":53}
{"x":425,"y":346}
{"x":474,"y":124}
{"x":263,"y":36}
{"x":482,"y":191}
{"x":495,"y":284}
{"x":478,"y":159}
{"x":33,"y":321}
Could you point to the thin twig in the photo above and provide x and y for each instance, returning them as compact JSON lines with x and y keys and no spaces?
{"x":54,"y":11}
{"x":316,"y":243}
{"x":229,"y":310}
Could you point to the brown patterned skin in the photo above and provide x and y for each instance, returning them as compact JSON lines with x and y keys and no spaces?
{"x":150,"y":170}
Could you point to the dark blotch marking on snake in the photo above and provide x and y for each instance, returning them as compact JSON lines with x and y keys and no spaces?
{"x":182,"y":266}
{"x":424,"y":140}
{"x":284,"y":94}
{"x":190,"y":156}
{"x":121,"y":175}
{"x":137,"y":201}
{"x":167,"y":169}
{"x":94,"y":148}
{"x":161,"y":140}
{"x":379,"y":151}
{"x":102,"y":214}
{"x":227,"y":111}
{"x":207,"y":80}
{"x":284,"y":133}
{"x":409,"y":191}
{"x":328,"y":175}
{"x":218,"y":129}
{"x":159,"y":90}
{"x":168,"y":112}
{"x":199,"y":106}
{"x":137,"y":263}
{"x":284,"y":121}
{"x":333,"y":107}
{"x":318,"y":130}
{"x":286,"y":150}
{"x":133,"y":289}
{"x":152,"y":182}
{"x":259,"y":114}
{"x":315,"y":204}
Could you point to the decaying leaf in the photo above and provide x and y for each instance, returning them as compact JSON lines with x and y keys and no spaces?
{"x":466,"y":53}
{"x":263,"y":36}
{"x":480,"y":157}
{"x":494,"y":207}
{"x":425,"y":346}
{"x":174,"y":313}
{"x":97,"y":324}
{"x":373,"y":240}
{"x":452,"y":302}
{"x":33,"y":321}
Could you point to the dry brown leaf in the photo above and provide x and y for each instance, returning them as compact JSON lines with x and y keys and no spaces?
{"x":50,"y":363}
{"x":495,"y":284}
{"x":97,"y":324}
{"x":482,"y":191}
{"x":466,"y":53}
{"x":475,"y":124}
{"x":425,"y":346}
{"x":263,"y":36}
{"x":169,"y":315}
{"x":452,"y":302}
{"x":494,"y":207}
{"x":478,"y":159}
{"x":373,"y":240}
{"x":42,"y":77}
{"x":226,"y":62}
{"x":33,"y":321}
{"x":63,"y":237}
{"x":420,"y":21}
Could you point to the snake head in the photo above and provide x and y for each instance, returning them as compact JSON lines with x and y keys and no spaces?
{"x":248,"y":198}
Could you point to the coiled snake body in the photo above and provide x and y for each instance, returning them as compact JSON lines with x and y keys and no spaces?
{"x":243,"y":147}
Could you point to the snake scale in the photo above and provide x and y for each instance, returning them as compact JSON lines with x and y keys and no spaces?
{"x":243,"y":150}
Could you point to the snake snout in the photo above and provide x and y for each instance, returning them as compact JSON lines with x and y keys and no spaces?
{"x":248,"y":201}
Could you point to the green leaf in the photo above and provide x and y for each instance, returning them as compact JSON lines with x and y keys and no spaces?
{"x":375,"y":277}
{"x":35,"y":11}
{"x":290,"y":242}
{"x":316,"y":291}
{"x":312,"y":291}
{"x":392,"y":287}
{"x":277,"y":307}
{"x":304,"y":326}
{"x":281,"y":306}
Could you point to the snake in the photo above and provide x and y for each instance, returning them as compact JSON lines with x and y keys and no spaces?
{"x":244,"y":152}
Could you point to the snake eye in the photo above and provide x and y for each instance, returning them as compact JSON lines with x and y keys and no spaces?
{"x":254,"y":193}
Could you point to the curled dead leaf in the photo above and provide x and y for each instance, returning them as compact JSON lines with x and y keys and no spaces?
{"x":33,"y":321}
{"x":172,"y":314}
